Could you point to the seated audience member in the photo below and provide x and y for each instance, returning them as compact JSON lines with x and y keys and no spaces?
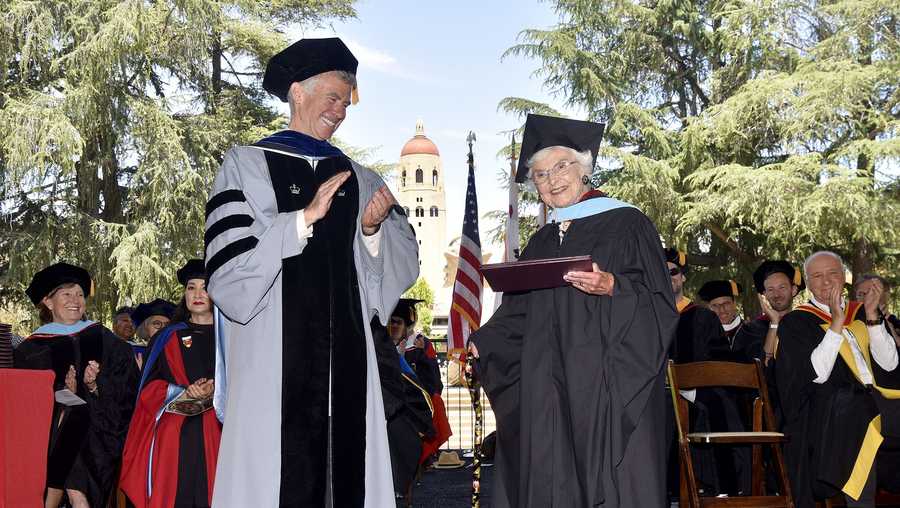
{"x":98,"y":380}
{"x":776,"y":283}
{"x":837,"y":413}
{"x":712,"y":409}
{"x":861,"y":287}
{"x":122,"y":325}
{"x":720,"y":296}
{"x":171,"y":451}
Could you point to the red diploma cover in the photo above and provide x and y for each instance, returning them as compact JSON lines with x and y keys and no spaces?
{"x":534,"y":274}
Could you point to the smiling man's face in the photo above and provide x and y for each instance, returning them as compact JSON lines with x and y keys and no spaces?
{"x":321,"y":110}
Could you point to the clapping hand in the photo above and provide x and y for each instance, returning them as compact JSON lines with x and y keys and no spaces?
{"x":872,"y":300}
{"x":596,"y":282}
{"x":90,"y":375}
{"x":835,"y":299}
{"x":377,"y":210}
{"x":318,"y":207}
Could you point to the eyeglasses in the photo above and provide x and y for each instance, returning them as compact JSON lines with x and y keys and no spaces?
{"x":674,"y":271}
{"x":541,"y":176}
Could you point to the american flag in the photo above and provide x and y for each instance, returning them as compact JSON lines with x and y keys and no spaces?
{"x":465,"y":311}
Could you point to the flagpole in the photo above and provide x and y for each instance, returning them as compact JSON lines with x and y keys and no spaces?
{"x":474,"y":385}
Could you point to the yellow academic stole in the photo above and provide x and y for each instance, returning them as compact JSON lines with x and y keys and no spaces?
{"x":866,"y":456}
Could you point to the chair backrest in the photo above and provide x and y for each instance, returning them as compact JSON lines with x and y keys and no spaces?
{"x":688,"y":376}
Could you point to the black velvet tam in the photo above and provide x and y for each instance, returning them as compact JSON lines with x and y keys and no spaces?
{"x":193,"y":269}
{"x":769,"y":267}
{"x":546,"y":131}
{"x":716,"y":288}
{"x":158,"y":307}
{"x":305,"y":59}
{"x":677,"y":257}
{"x":406,"y":309}
{"x":54,"y":276}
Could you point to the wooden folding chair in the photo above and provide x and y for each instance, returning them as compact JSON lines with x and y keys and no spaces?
{"x":689,"y":376}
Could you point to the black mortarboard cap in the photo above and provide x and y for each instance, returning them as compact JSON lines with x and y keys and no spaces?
{"x":406,"y":309}
{"x":546,"y":131}
{"x":304,"y":59}
{"x":193,"y":269}
{"x":55,"y":275}
{"x":158,"y":307}
{"x":677,"y":257}
{"x":716,"y":288}
{"x":780,"y":266}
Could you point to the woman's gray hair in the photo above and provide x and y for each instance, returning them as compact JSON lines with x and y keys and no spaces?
{"x":870,"y":276}
{"x":584,"y":159}
{"x":816,"y":254}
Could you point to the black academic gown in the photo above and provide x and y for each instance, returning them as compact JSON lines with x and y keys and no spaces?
{"x":86,"y":448}
{"x":825,"y":423}
{"x":576,"y":381}
{"x":425,"y":367}
{"x":407,"y":409}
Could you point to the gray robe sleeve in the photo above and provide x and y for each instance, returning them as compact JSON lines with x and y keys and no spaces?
{"x":383,"y":278}
{"x":246,"y":237}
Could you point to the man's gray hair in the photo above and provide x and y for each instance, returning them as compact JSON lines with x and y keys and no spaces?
{"x":309,"y":84}
{"x":584,"y":159}
{"x":816,"y":254}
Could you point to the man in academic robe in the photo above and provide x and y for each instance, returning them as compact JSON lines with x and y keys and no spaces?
{"x":698,"y":333}
{"x":777,"y":282}
{"x":837,"y":414}
{"x":575,"y":374}
{"x":305,"y":251}
{"x":720,"y":296}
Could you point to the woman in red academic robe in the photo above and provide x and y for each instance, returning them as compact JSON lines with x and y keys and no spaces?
{"x":172,"y":445}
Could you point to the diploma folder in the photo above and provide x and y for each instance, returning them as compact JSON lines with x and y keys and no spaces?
{"x":534,"y":274}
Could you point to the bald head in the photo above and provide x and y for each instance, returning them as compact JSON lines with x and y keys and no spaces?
{"x":824,"y":270}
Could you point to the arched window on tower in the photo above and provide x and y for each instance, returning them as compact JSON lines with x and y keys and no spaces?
{"x":434,"y":211}
{"x":420,"y":176}
{"x":434,"y":177}
{"x":420,"y":212}
{"x":403,"y":179}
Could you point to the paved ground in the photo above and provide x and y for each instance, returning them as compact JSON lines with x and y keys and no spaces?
{"x":451,"y":488}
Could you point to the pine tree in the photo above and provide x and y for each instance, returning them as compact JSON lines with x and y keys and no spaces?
{"x":114,"y":117}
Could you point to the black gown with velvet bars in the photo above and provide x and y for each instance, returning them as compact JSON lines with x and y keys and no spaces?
{"x":86,"y":448}
{"x":576,"y":381}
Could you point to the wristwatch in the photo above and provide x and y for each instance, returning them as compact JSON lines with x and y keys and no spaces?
{"x":875,"y":322}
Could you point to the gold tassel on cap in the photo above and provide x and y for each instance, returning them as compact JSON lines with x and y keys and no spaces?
{"x":354,"y":95}
{"x":682,"y":258}
{"x":734,"y":288}
{"x":797,"y":280}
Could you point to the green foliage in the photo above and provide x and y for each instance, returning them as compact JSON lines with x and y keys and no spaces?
{"x":422,"y":291}
{"x":745,"y":130}
{"x":114,"y":117}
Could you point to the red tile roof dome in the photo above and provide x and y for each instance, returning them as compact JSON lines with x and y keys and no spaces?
{"x":419,"y":144}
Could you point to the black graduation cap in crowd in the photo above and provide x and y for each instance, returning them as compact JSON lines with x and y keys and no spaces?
{"x":716,"y":288}
{"x":158,"y":307}
{"x":55,"y":275}
{"x":406,"y":309}
{"x":304,"y":59}
{"x":780,"y":266}
{"x":193,"y":269}
{"x":545,"y":131}
{"x":677,"y":257}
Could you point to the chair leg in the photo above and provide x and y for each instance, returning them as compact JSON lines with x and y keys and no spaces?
{"x":757,"y":481}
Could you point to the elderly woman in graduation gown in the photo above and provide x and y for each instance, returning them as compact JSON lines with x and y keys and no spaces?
{"x":89,"y":424}
{"x":575,"y":374}
{"x":170,"y":455}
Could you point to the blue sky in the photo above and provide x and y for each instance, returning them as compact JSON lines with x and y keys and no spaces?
{"x":441,"y":62}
